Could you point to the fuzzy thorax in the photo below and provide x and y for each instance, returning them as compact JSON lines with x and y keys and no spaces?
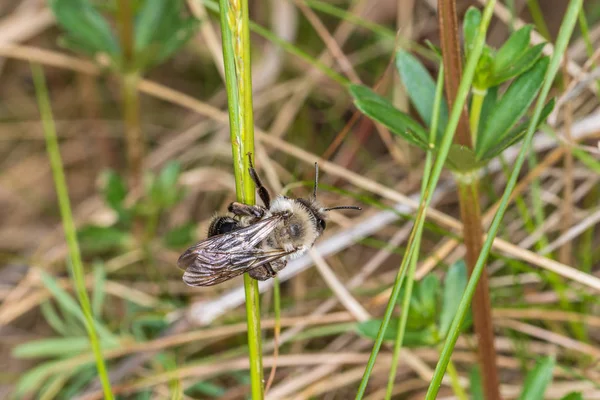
{"x":299,"y":231}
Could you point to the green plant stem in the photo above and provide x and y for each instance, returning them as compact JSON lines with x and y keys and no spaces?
{"x":538,"y":18}
{"x":561,"y":44}
{"x":462,"y":93}
{"x":455,"y":382}
{"x":130,"y":103}
{"x":413,"y":263}
{"x":68,"y":224}
{"x":589,"y":47}
{"x":133,"y":130}
{"x":475,"y":112}
{"x":238,"y":79}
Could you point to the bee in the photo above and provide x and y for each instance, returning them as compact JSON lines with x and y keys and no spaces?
{"x":256,"y":239}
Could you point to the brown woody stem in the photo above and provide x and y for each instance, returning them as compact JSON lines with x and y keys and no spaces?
{"x":469,"y":203}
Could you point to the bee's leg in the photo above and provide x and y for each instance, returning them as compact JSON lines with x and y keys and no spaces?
{"x":222,"y":224}
{"x":245,"y":210}
{"x":262,"y":273}
{"x":263,"y":193}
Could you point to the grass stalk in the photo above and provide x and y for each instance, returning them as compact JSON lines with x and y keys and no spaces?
{"x":413,"y":264}
{"x":130,"y":103}
{"x":238,"y":79}
{"x":561,"y":44}
{"x":62,"y":193}
{"x":462,"y":93}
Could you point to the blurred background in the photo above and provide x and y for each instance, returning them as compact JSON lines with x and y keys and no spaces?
{"x":145,"y":144}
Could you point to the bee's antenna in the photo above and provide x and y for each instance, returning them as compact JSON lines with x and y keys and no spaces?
{"x":316,"y":180}
{"x":342,"y":208}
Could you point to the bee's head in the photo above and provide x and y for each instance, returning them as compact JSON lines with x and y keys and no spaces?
{"x":317,"y":211}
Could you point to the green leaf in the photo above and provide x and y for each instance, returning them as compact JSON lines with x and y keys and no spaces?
{"x":160,"y":31}
{"x":85,"y":26}
{"x":537,"y":380}
{"x":33,"y":379}
{"x":69,"y":305}
{"x":53,"y":347}
{"x":163,"y":190}
{"x":513,"y":48}
{"x":476,"y":384}
{"x":421,"y":90}
{"x":382,"y":111}
{"x":53,"y":319}
{"x":428,"y":290}
{"x":471,"y":23}
{"x":573,"y":396}
{"x":518,"y":65}
{"x":98,"y":294}
{"x":180,"y":236}
{"x":516,"y":133}
{"x":148,"y":21}
{"x":587,"y":159}
{"x":99,"y":239}
{"x":114,"y":190}
{"x":511,"y":107}
{"x":454,"y":287}
{"x":488,"y":106}
{"x":425,"y":337}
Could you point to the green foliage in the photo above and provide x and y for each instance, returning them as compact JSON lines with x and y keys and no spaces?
{"x":573,"y":396}
{"x":476,"y":384}
{"x":384,"y":112}
{"x":162,"y":192}
{"x":538,"y":379}
{"x":497,"y":116}
{"x":421,"y":90}
{"x":432,"y":307}
{"x":513,"y":58}
{"x":510,"y":109}
{"x":87,"y":31}
{"x":160,"y":30}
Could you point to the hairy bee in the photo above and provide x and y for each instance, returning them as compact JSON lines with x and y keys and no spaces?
{"x":256,"y":239}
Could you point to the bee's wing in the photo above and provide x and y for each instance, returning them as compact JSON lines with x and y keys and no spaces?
{"x":225,"y":256}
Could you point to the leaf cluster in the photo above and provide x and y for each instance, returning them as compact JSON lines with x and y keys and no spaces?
{"x":509,"y":80}
{"x":160,"y":28}
{"x":432,"y":307}
{"x":161,"y":193}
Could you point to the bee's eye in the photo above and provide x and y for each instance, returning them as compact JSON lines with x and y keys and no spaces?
{"x":322,"y":224}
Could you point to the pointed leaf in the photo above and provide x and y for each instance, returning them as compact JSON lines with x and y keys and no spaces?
{"x":517,"y":44}
{"x":516,"y":134}
{"x":511,"y":107}
{"x":382,"y":111}
{"x":53,"y":347}
{"x":180,"y":236}
{"x":114,"y":190}
{"x":98,"y":294}
{"x":454,"y":287}
{"x":421,"y":90}
{"x":428,"y":290}
{"x":99,"y":239}
{"x":537,"y":380}
{"x":370,"y":328}
{"x":518,"y":65}
{"x":471,"y":23}
{"x":488,"y":106}
{"x":476,"y":384}
{"x":573,"y":396}
{"x":85,"y":25}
